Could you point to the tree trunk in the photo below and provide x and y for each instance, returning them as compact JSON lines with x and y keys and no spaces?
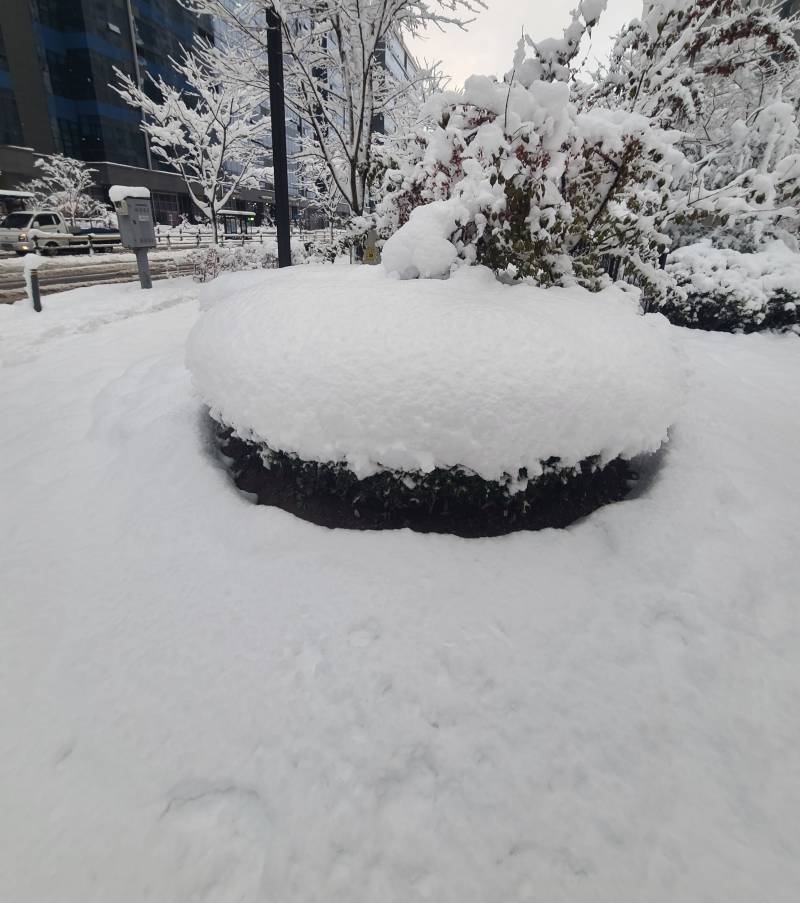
{"x":354,"y":200}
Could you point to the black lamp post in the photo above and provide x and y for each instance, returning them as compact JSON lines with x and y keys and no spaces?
{"x":278,"y":114}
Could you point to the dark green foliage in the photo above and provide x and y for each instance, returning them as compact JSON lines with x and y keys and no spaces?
{"x":528,"y":234}
{"x":724,"y":312}
{"x":611,"y":197}
{"x":443,"y":501}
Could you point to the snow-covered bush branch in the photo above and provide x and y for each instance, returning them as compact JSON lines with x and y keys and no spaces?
{"x":552,"y":58}
{"x":727,"y":74}
{"x":318,"y":188}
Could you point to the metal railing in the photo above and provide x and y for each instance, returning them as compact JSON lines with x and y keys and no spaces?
{"x":194,"y":239}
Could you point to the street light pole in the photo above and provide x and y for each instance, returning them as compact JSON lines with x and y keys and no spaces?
{"x":138,"y":75}
{"x":277,"y":109}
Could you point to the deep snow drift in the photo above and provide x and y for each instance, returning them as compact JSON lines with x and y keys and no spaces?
{"x":204,"y":700}
{"x":347,"y":364}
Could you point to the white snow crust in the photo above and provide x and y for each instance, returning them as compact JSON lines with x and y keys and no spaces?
{"x":421,"y":247}
{"x":207,"y":701}
{"x":120,"y":192}
{"x":345,"y":364}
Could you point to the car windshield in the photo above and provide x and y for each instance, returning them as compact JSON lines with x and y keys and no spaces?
{"x":16,"y":221}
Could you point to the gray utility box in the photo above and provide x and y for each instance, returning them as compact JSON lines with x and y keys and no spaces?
{"x":136,"y":227}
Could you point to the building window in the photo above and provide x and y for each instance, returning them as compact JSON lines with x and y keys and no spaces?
{"x":166,"y":208}
{"x":3,"y":57}
{"x":10,"y":130}
{"x":91,"y":138}
{"x":59,"y":15}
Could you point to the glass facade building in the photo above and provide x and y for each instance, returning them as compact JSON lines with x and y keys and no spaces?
{"x":80,"y":44}
{"x":57,"y":58}
{"x":10,"y":128}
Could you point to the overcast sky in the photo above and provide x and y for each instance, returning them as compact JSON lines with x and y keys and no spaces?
{"x":487,"y":48}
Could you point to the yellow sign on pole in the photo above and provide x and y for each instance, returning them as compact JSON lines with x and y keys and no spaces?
{"x":372,"y":254}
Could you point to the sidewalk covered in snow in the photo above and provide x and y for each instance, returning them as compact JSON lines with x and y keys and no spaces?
{"x":207,"y":700}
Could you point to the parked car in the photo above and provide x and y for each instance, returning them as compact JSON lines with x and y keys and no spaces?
{"x":46,"y":231}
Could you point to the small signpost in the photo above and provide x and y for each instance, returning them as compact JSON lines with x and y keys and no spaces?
{"x":136,"y":227}
{"x":372,"y":252}
{"x":368,"y":252}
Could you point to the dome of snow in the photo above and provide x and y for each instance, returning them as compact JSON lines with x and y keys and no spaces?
{"x":346,"y":364}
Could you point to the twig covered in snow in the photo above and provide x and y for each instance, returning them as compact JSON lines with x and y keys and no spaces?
{"x":209,"y":129}
{"x":335,"y":80}
{"x":727,"y":74}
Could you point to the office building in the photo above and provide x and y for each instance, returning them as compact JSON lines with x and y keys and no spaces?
{"x":57,"y":58}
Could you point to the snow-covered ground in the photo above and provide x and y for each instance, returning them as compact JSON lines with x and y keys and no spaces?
{"x":206,"y":700}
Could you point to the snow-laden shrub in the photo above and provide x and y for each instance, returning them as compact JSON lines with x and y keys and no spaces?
{"x":451,"y":500}
{"x":209,"y":262}
{"x":726,"y":73}
{"x":464,"y":404}
{"x":723,"y":289}
{"x":520,"y":181}
{"x":468,"y":401}
{"x":692,"y":128}
{"x":252,"y":255}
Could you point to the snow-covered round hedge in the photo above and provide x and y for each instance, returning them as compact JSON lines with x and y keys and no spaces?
{"x":426,"y":382}
{"x":726,"y":290}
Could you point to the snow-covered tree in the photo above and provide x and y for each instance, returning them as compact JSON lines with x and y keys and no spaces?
{"x":318,"y":189}
{"x":400,"y":141}
{"x":210,"y":130}
{"x":727,"y":74}
{"x":335,"y":77}
{"x":64,"y":186}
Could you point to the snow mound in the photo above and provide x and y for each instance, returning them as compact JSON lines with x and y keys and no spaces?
{"x":120,"y":192}
{"x":343,"y":364}
{"x":420,"y":247}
